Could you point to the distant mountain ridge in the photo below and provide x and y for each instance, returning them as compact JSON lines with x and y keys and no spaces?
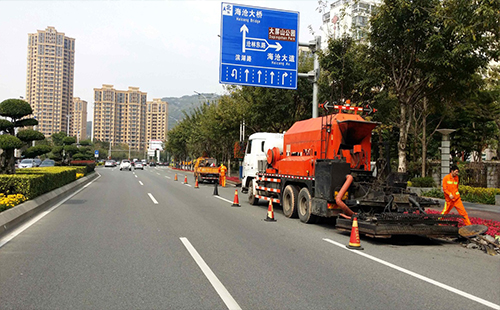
{"x":176,"y":106}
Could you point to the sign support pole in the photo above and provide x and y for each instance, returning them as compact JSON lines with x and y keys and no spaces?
{"x":313,"y":46}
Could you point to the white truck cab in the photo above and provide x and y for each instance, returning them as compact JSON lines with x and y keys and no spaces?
{"x":255,"y":158}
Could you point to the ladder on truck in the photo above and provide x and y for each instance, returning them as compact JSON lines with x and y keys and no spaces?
{"x":326,"y":129}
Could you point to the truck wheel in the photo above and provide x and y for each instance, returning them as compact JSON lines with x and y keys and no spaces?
{"x":251,"y":198}
{"x":290,"y":201}
{"x":304,"y":207}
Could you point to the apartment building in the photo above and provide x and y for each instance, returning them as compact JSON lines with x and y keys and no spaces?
{"x":79,"y":119}
{"x":50,"y":78}
{"x":348,"y":17}
{"x":156,"y":120}
{"x":120,"y":116}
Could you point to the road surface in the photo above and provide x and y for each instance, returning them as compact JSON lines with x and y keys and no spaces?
{"x":140,"y":240}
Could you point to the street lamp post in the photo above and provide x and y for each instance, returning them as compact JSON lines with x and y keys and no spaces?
{"x":199,"y":94}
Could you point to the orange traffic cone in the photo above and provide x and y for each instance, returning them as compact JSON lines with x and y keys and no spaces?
{"x":236,"y":203}
{"x":196,"y":183}
{"x":270,"y":213}
{"x":175,"y":177}
{"x":185,"y":179}
{"x":354,"y":243}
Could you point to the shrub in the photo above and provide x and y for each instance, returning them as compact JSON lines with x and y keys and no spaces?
{"x":423,"y":182}
{"x":435,"y":193}
{"x":470,"y":194}
{"x":10,"y":201}
{"x":33,"y":182}
{"x":89,"y":165}
{"x":29,"y":185}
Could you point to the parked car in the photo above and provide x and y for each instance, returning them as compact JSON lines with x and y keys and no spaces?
{"x":152,"y":164}
{"x":125,"y":164}
{"x":48,"y":163}
{"x":138,"y":165}
{"x":109,"y":163}
{"x":27,"y":163}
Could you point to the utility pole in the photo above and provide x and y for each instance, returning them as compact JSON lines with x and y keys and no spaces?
{"x":314,"y":46}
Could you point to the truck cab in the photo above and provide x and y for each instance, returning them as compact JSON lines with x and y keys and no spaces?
{"x":255,"y":156}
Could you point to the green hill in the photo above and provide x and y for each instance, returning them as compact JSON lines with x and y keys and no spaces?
{"x":176,"y":106}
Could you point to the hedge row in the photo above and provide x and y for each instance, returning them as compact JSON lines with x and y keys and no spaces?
{"x":470,"y":194}
{"x":88,"y":164}
{"x":33,"y":182}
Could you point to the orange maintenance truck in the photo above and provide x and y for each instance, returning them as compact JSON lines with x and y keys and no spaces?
{"x":324,"y":169}
{"x":206,"y":170}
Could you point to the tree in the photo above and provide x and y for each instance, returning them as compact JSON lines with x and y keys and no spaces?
{"x":425,"y":47}
{"x":346,"y":72}
{"x":16,"y":110}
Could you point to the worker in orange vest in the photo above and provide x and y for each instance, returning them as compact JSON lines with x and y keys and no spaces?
{"x":222,"y":175}
{"x":452,"y":196}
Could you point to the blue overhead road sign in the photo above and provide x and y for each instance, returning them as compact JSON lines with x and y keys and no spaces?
{"x":259,"y":46}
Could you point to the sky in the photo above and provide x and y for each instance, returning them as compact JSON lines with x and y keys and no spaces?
{"x":166,"y":48}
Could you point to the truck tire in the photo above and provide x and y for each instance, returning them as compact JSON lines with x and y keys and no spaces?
{"x":251,"y":198}
{"x":304,"y":207}
{"x":290,"y":195}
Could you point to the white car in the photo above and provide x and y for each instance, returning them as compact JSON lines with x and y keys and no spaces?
{"x":138,"y":165}
{"x":27,"y":163}
{"x":125,"y":164}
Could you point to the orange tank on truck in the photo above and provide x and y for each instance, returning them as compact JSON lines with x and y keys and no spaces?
{"x":206,"y":170}
{"x":324,"y":169}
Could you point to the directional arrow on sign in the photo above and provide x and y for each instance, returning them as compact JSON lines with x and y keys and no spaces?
{"x":283,"y":78}
{"x":264,"y":46}
{"x":328,"y":105}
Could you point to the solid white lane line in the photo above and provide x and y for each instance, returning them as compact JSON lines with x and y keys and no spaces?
{"x":140,"y":183}
{"x":418,"y":276}
{"x":223,"y":199}
{"x":28,"y":224}
{"x":152,"y":198}
{"x":216,"y":283}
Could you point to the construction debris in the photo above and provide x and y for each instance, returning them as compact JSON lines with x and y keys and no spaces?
{"x":475,"y":239}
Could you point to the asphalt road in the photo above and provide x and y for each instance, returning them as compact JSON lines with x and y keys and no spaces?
{"x":140,"y":240}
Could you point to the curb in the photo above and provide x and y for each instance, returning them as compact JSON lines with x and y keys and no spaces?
{"x":13,"y":217}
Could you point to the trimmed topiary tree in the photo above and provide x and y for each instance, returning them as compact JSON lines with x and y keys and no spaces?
{"x":16,"y":110}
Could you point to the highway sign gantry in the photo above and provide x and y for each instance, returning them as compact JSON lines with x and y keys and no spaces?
{"x":259,"y":46}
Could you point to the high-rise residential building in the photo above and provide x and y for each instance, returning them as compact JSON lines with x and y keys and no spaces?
{"x":348,"y":17}
{"x":156,"y":120}
{"x":120,"y":116}
{"x":49,"y":79}
{"x":79,"y":119}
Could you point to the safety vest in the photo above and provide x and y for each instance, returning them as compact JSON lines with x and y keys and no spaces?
{"x":450,"y":186}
